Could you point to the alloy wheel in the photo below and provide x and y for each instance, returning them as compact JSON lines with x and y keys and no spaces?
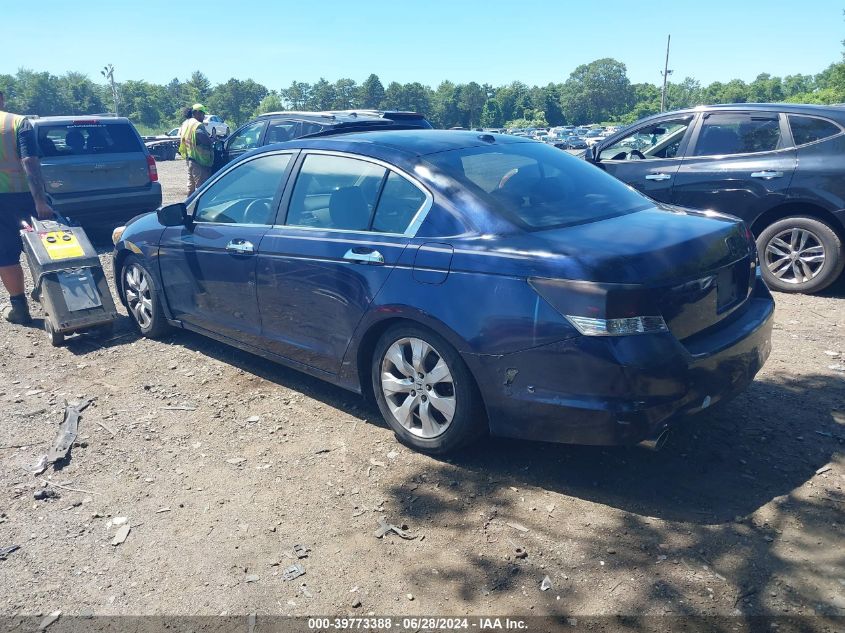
{"x":418,"y":386}
{"x":795,"y":256}
{"x":139,"y":297}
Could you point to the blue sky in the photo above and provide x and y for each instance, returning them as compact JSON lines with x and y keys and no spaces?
{"x":492,"y":41}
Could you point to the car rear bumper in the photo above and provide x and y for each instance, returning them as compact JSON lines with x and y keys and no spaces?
{"x":108,"y":207}
{"x":622,"y":390}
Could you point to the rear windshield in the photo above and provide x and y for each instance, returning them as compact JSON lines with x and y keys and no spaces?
{"x":69,"y":139}
{"x":538,"y":186}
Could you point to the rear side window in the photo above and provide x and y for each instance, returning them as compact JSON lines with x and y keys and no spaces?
{"x":738,"y":133}
{"x":537,"y":186}
{"x":68,"y":139}
{"x":334,"y":192}
{"x":806,"y":129}
{"x":399,"y":202}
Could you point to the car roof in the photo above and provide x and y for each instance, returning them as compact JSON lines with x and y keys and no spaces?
{"x":79,"y":119}
{"x":797,"y":108}
{"x":344,"y":116}
{"x":419,"y":142}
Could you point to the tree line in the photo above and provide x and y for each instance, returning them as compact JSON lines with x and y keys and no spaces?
{"x":597,"y":92}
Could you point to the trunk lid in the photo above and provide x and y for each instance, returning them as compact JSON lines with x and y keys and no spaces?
{"x":698,"y":267}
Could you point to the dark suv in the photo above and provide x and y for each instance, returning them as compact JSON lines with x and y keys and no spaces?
{"x":278,"y":127}
{"x":779,"y":167}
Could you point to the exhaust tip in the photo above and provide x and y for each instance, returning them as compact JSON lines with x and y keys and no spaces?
{"x":656,"y":443}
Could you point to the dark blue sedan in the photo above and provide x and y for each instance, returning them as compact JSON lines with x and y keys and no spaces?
{"x":471,"y":282}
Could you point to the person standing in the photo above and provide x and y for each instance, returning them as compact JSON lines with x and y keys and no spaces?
{"x":21,"y":195}
{"x":196,"y":147}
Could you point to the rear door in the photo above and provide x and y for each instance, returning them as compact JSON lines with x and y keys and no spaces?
{"x":348,"y":220}
{"x":209,"y":267}
{"x":91,"y":155}
{"x":648,"y":157}
{"x":739,"y":163}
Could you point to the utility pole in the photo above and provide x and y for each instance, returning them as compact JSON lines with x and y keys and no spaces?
{"x":666,"y":72}
{"x":108,"y":73}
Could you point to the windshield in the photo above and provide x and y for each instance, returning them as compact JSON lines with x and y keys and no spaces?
{"x":538,"y":186}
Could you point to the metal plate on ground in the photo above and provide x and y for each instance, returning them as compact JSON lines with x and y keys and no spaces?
{"x":79,"y":289}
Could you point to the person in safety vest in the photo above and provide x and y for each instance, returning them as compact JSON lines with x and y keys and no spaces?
{"x":196,"y":147}
{"x":21,"y":196}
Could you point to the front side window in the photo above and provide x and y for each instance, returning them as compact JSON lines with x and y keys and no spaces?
{"x":335,"y":192}
{"x":245,"y":194}
{"x":807,"y":129}
{"x":247,"y":137}
{"x":656,"y":140}
{"x":537,"y":186}
{"x":738,"y":133}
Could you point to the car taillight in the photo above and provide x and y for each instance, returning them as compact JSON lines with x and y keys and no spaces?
{"x":151,"y":167}
{"x":597,"y":309}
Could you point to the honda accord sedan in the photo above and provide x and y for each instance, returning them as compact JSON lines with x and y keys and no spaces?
{"x":470,"y":282}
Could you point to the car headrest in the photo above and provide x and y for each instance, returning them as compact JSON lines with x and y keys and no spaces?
{"x":349,"y":210}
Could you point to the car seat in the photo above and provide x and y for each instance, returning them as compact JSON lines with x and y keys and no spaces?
{"x":75,"y":142}
{"x":349,"y":210}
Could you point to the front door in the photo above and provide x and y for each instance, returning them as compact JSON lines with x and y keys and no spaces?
{"x":648,"y":158}
{"x":210,"y":266}
{"x":738,"y":163}
{"x":348,"y":221}
{"x":241,"y":141}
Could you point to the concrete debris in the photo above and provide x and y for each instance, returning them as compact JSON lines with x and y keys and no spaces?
{"x":64,"y":438}
{"x":252,"y":578}
{"x":49,"y":619}
{"x":387,"y":528}
{"x":517,"y":526}
{"x":294,"y":571}
{"x":300,"y":551}
{"x":120,"y":535}
{"x":546,"y":584}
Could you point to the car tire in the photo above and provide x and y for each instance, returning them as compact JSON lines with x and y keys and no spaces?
{"x":800,"y":254}
{"x":142,"y":299}
{"x":431,"y":417}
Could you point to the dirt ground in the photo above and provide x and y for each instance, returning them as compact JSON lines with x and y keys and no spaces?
{"x":220,"y":462}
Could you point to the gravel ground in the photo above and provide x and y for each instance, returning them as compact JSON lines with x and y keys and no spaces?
{"x":221,"y":462}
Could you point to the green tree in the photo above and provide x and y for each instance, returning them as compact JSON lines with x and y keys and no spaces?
{"x":197,"y":88}
{"x":471,"y":103}
{"x":371,"y":93}
{"x":236,"y":100}
{"x":491,"y":114}
{"x":297,"y":96}
{"x":80,"y":95}
{"x":683,"y":95}
{"x":598,"y":91}
{"x":445,"y":110}
{"x":346,"y":94}
{"x":765,"y":89}
{"x":37,"y":93}
{"x":271,"y":103}
{"x":323,"y":96}
{"x":551,"y":105}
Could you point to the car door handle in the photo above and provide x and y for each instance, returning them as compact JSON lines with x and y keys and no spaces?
{"x":767,"y":174}
{"x":364,"y":256}
{"x":659,"y":176}
{"x":242,"y":247}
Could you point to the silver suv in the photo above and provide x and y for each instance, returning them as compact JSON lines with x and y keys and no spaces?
{"x":96,"y":169}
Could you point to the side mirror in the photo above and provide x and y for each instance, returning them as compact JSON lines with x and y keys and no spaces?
{"x":592,"y":154}
{"x":173,"y":215}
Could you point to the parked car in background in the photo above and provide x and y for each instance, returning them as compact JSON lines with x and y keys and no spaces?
{"x":574,"y":142}
{"x":779,"y":167}
{"x":278,"y":127}
{"x":163,"y":146}
{"x":368,"y":260}
{"x":214,"y":125}
{"x":594,"y":136}
{"x":96,"y":170}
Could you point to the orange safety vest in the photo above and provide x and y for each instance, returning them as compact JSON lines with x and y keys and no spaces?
{"x":188,"y":146}
{"x":12,"y":174}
